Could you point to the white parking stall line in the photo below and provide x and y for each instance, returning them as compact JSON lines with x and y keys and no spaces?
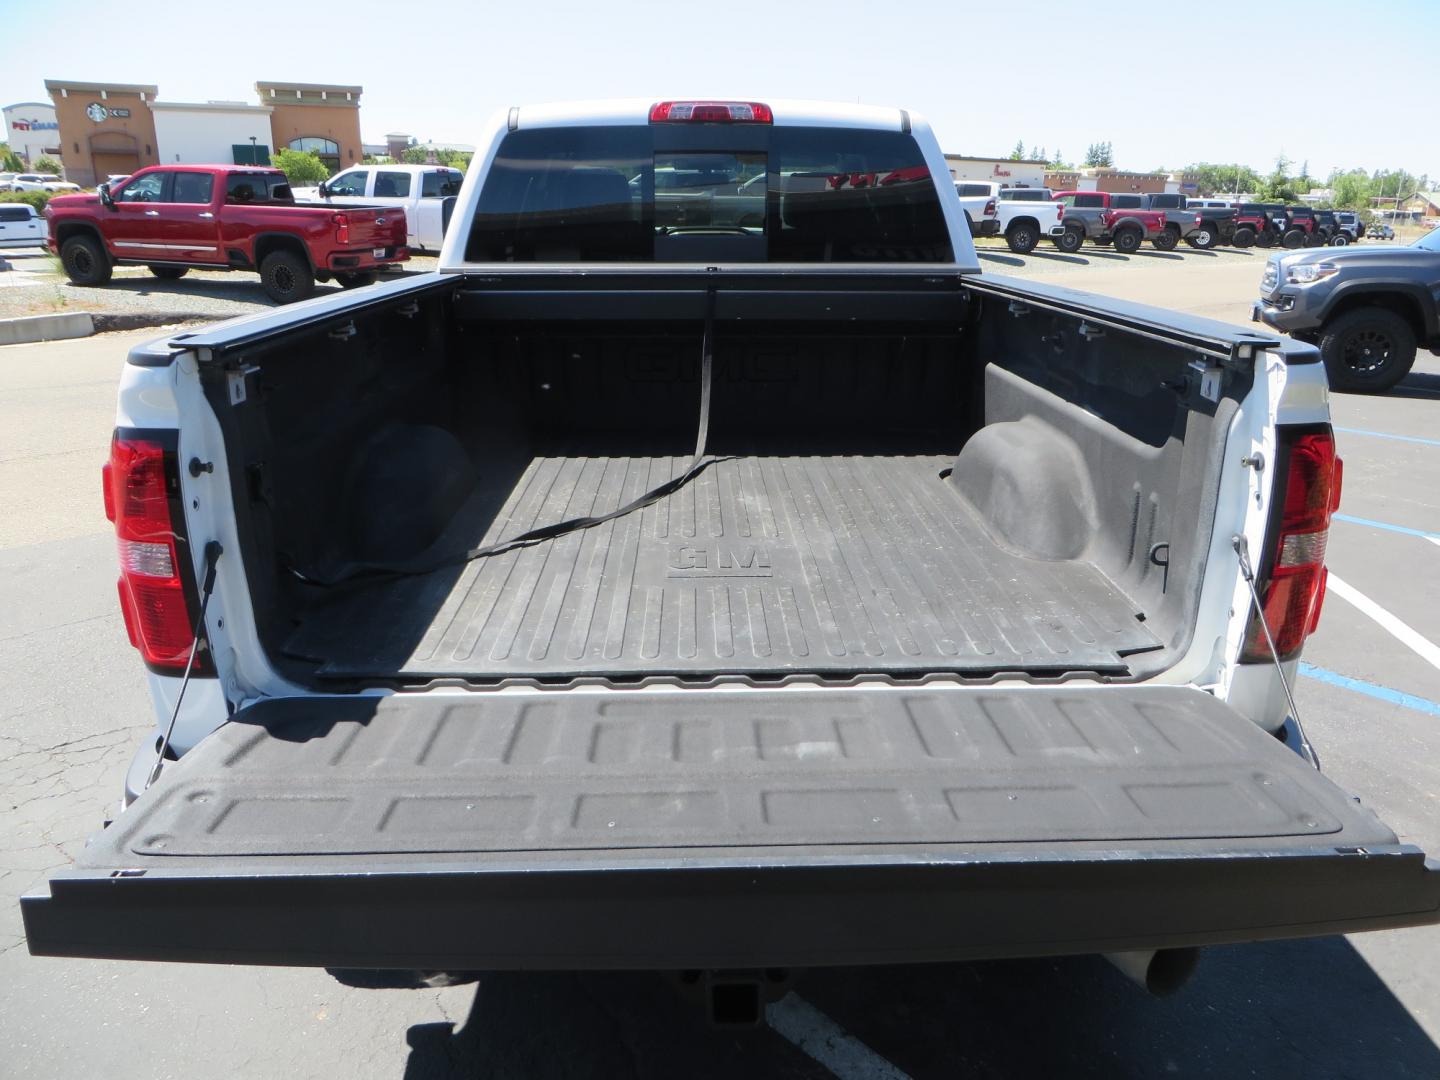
{"x":1402,"y":631}
{"x":827,"y":1042}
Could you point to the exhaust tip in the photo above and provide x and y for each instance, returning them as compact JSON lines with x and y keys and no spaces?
{"x":1160,"y":972}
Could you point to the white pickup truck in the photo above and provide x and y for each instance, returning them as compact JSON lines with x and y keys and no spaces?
{"x":427,"y":192}
{"x":1023,"y":224}
{"x":720,"y":575}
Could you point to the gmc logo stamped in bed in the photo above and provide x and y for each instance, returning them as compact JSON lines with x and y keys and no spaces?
{"x":686,"y":561}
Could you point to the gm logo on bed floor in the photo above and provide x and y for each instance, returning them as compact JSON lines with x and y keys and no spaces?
{"x":688,"y":561}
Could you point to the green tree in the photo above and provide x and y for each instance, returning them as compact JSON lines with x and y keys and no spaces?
{"x":1212,"y":179}
{"x":1099,"y":155}
{"x":9,"y":160}
{"x":1352,"y":189}
{"x":1019,"y":152}
{"x":48,"y":165}
{"x":302,"y":168}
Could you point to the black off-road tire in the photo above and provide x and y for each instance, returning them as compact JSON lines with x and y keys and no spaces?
{"x":1022,"y":237}
{"x":1070,"y":241}
{"x":85,"y":260}
{"x":1340,"y":239}
{"x":1266,"y":239}
{"x":1168,"y":240}
{"x":1367,"y":350}
{"x":1128,"y":240}
{"x":169,"y":273}
{"x":1244,"y":237}
{"x":286,"y":277}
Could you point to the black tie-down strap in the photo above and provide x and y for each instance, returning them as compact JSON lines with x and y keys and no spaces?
{"x":698,"y":462}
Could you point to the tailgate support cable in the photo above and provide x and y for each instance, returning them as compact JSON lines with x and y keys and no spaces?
{"x":1242,"y":549}
{"x":213,"y":551}
{"x":699,"y":460}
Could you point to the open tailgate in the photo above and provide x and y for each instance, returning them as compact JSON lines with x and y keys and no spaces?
{"x":728,"y":828}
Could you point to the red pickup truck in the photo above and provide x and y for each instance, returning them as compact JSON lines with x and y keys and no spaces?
{"x":1128,"y":229}
{"x":173,"y":218}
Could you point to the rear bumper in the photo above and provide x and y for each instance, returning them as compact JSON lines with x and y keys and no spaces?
{"x":989,"y":227}
{"x":735,"y":913}
{"x":366,"y":259}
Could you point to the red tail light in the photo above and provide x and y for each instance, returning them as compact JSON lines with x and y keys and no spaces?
{"x":1291,"y":580}
{"x":989,"y":208}
{"x":342,"y":229}
{"x":711,"y":112}
{"x":138,"y":480}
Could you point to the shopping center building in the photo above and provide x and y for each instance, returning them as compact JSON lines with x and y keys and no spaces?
{"x":110,"y":128}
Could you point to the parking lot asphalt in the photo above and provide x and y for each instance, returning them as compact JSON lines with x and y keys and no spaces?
{"x":74,"y":705}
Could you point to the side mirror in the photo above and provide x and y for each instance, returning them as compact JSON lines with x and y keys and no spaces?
{"x":324,"y":189}
{"x":105,"y":198}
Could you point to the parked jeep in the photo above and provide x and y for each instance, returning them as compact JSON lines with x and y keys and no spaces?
{"x":1352,"y":226}
{"x":1366,"y":309}
{"x":1260,"y":224}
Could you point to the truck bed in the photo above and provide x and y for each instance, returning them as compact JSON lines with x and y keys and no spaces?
{"x":762,"y":564}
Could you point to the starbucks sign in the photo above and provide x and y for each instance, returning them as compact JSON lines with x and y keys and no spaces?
{"x":99,"y":113}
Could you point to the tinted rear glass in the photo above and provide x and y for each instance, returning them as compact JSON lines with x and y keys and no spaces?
{"x":972,"y":190}
{"x":607,"y":194}
{"x":440,"y":185}
{"x":258,"y":188}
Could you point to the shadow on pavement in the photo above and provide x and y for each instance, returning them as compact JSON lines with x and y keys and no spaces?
{"x":1008,"y":260}
{"x":1158,"y":254}
{"x":1309,"y":1008}
{"x":545,"y":1026}
{"x":1095,"y":252}
{"x":1057,"y":256}
{"x":1418,"y":384}
{"x":244,"y":287}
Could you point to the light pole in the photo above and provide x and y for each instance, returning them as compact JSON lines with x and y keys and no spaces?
{"x":254,"y":156}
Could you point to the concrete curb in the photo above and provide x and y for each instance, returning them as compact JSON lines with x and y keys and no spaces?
{"x":29,"y":328}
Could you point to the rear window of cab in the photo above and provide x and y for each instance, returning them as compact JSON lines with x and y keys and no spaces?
{"x":786,"y":195}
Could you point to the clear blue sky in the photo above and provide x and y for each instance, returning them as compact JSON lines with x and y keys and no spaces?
{"x":984,"y":74}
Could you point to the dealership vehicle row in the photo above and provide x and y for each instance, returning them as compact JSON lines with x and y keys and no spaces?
{"x":1128,"y":220}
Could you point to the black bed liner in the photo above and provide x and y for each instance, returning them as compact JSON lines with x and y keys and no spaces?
{"x":763,"y":565}
{"x":683,"y":828}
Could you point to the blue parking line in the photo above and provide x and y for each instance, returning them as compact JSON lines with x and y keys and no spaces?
{"x":1387,"y":435}
{"x":1387,"y":526}
{"x":1369,"y":689}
